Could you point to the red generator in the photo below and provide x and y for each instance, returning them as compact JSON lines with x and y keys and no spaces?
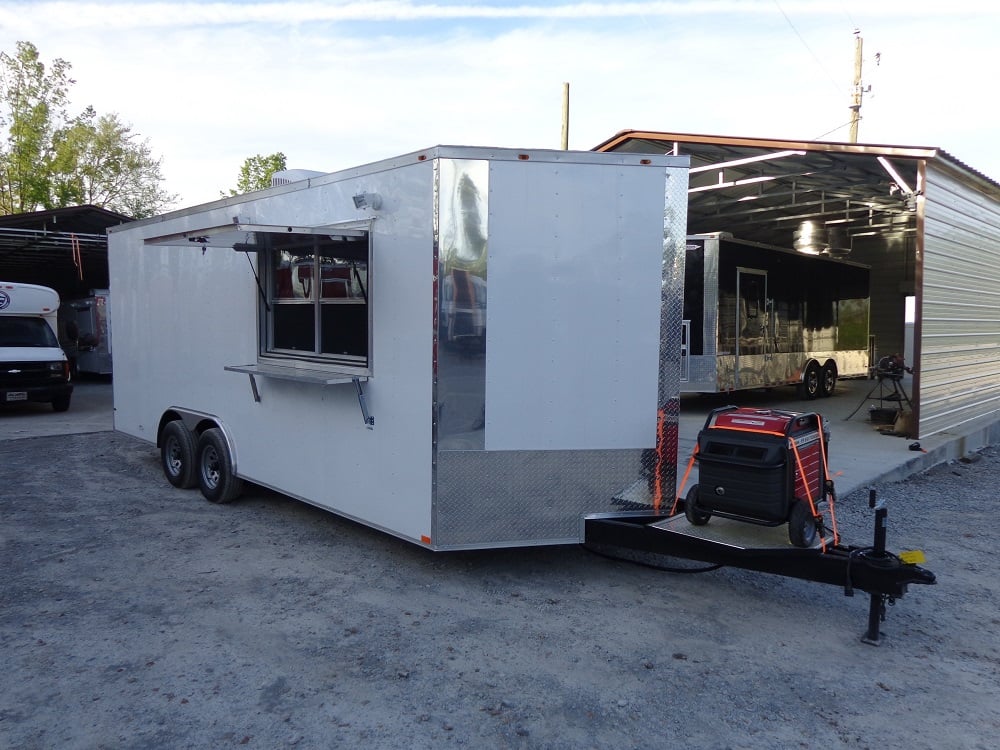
{"x":763,"y":466}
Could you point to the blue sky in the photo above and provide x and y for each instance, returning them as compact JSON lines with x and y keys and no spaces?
{"x":337,"y":84}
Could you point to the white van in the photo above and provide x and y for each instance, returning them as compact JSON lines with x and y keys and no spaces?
{"x":32,"y":366}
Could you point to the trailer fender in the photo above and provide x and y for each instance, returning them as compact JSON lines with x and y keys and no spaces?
{"x":197,"y":422}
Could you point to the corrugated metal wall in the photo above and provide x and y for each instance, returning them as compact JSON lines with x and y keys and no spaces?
{"x":958,"y":318}
{"x":892,"y":274}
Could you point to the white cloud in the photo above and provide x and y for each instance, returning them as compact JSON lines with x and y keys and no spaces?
{"x":210,"y":84}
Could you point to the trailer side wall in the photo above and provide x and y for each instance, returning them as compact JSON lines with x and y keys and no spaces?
{"x":182,"y":314}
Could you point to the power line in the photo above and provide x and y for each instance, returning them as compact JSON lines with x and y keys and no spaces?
{"x":850,"y":19}
{"x":806,"y":45}
{"x":839,"y":127}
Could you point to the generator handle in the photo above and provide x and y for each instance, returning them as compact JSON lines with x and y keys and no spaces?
{"x":716,"y":412}
{"x":800,"y":420}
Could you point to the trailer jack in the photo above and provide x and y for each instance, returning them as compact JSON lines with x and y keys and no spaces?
{"x":881,"y":574}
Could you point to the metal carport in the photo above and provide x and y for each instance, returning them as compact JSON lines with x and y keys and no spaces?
{"x":62,"y":248}
{"x":927,"y":224}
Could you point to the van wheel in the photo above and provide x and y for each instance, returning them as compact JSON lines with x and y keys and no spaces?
{"x":801,"y":525}
{"x":828,"y":379}
{"x":177,"y":455}
{"x":811,"y":381}
{"x":216,"y":479}
{"x":60,"y":403}
{"x":694,"y":516}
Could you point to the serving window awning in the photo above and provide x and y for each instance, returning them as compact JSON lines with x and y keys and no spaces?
{"x":242,"y":236}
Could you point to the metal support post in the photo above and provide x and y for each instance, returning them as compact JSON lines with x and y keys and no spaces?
{"x":368,"y":418}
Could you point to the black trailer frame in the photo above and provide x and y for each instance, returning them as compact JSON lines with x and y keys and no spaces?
{"x":871,"y":569}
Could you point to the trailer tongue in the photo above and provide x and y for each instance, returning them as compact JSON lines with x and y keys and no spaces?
{"x":762,"y":471}
{"x":881,"y":574}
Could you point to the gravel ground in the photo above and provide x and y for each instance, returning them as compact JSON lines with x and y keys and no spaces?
{"x":135,"y":615}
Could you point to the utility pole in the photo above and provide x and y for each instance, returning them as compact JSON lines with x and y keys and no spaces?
{"x":565,"y":117}
{"x":857,"y":91}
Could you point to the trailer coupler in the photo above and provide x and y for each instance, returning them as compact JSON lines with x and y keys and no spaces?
{"x":875,"y":571}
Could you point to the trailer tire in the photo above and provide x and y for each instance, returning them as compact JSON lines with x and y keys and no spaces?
{"x":216,"y":478}
{"x":801,"y":525}
{"x":828,"y":379}
{"x":694,"y":516}
{"x":60,"y":403}
{"x":811,"y":381}
{"x":177,"y":455}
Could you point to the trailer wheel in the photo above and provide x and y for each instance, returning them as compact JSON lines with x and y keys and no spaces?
{"x":216,"y":479}
{"x":811,"y":381}
{"x":828,"y":379}
{"x":177,"y":455}
{"x":694,"y":516}
{"x":801,"y":525}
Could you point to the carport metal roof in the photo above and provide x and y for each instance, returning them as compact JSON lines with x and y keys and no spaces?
{"x":64,"y":248}
{"x":763,"y":189}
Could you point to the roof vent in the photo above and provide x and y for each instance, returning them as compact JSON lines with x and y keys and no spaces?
{"x":285,"y":176}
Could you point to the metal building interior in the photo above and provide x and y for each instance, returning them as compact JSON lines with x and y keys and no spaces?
{"x":899,"y":210}
{"x":62,"y":248}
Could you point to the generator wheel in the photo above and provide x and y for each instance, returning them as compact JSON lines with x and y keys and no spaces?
{"x":694,"y":516}
{"x":812,"y":381}
{"x":801,"y":525}
{"x":828,"y":379}
{"x":177,"y":455}
{"x":216,"y":479}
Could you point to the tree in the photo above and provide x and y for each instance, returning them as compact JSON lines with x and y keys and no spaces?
{"x":256,"y":172}
{"x":99,"y":161}
{"x":32,"y":101}
{"x":50,"y":159}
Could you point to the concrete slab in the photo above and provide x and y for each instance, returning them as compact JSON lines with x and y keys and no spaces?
{"x":91,"y":410}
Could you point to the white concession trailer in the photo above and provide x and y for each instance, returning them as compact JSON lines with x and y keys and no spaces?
{"x":332,"y":339}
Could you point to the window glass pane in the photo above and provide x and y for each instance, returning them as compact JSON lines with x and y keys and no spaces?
{"x":343,"y":278}
{"x":345,"y":330}
{"x":292,"y":273}
{"x":316,"y":280}
{"x":24,"y":331}
{"x":294,"y":327}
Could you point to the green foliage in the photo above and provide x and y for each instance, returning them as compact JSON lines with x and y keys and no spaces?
{"x":50,"y":160}
{"x":256,"y":172}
